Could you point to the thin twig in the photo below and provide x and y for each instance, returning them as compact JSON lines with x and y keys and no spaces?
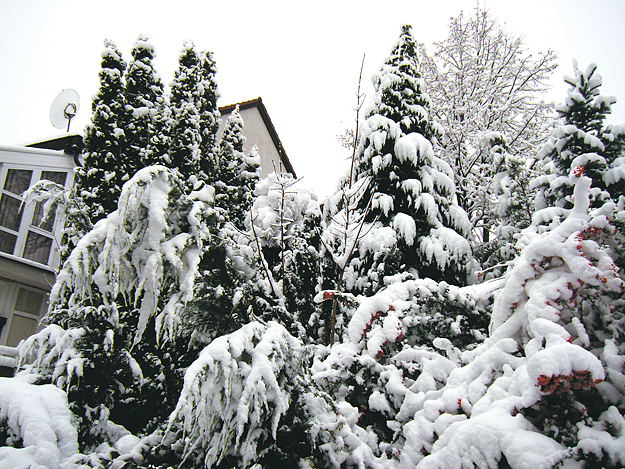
{"x":260,"y":255}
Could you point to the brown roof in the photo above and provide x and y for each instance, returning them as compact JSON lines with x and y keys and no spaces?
{"x":258,"y":103}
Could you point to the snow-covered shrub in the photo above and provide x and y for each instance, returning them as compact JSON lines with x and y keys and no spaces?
{"x":234,"y":396}
{"x":394,"y":342}
{"x":542,"y":375}
{"x":36,"y":425}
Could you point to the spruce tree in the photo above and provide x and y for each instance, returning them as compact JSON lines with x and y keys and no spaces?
{"x":100,"y":178}
{"x":407,"y":192}
{"x":144,"y":98}
{"x":580,"y":141}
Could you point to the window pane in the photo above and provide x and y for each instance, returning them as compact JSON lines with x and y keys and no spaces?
{"x":37,"y":248}
{"x":54,"y":176}
{"x":21,"y":328}
{"x":10,"y":213}
{"x":7,"y":242}
{"x":38,"y":215}
{"x":17,"y":181}
{"x":29,"y":301}
{"x":59,"y":178}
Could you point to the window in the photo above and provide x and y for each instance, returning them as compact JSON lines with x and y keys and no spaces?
{"x":37,"y":247}
{"x":16,"y":182}
{"x":38,"y":220}
{"x":23,"y":232}
{"x":23,"y":307}
{"x":29,"y":301}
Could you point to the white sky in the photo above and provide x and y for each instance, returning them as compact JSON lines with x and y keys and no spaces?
{"x":302,"y":58}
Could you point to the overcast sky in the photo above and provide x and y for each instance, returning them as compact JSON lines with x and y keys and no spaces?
{"x":302,"y":58}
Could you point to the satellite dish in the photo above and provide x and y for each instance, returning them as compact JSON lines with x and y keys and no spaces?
{"x":64,"y":109}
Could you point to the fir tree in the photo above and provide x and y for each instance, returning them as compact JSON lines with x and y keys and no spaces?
{"x":144,"y":98}
{"x":407,"y":192}
{"x":101,"y":176}
{"x":580,"y":141}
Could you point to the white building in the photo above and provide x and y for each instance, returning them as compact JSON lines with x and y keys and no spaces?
{"x":260,"y":132}
{"x":29,"y":251}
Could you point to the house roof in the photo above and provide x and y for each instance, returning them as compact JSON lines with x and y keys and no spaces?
{"x":70,"y":143}
{"x":258,"y":103}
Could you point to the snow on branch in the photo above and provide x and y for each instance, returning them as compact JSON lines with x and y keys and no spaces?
{"x":235,"y":393}
{"x":152,"y":241}
{"x":39,"y":418}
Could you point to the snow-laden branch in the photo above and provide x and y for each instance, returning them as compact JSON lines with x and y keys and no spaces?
{"x":138,"y":250}
{"x":235,"y":393}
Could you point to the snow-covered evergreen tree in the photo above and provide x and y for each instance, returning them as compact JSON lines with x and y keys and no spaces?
{"x":249,"y":273}
{"x":185,"y":134}
{"x":208,"y":94}
{"x":236,"y":173}
{"x":115,"y":309}
{"x":510,"y":201}
{"x":581,"y":140}
{"x":235,"y":395}
{"x":408,"y":194}
{"x":386,"y":349}
{"x":194,"y":119}
{"x":144,"y":98}
{"x":481,"y":78}
{"x":100,"y":178}
{"x":547,"y":374}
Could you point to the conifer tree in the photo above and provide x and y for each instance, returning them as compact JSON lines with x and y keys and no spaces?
{"x":511,"y":200}
{"x":237,"y":174}
{"x":185,"y":136}
{"x":100,"y":178}
{"x":144,"y":98}
{"x":408,"y":193}
{"x":208,"y":94}
{"x":581,"y":140}
{"x":115,"y":310}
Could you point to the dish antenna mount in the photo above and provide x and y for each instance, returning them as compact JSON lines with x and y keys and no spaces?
{"x":64,"y":109}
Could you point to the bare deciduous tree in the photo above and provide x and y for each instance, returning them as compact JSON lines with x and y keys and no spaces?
{"x":481,"y":78}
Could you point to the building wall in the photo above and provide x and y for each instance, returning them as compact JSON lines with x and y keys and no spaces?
{"x":256,"y":134}
{"x":29,"y":251}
